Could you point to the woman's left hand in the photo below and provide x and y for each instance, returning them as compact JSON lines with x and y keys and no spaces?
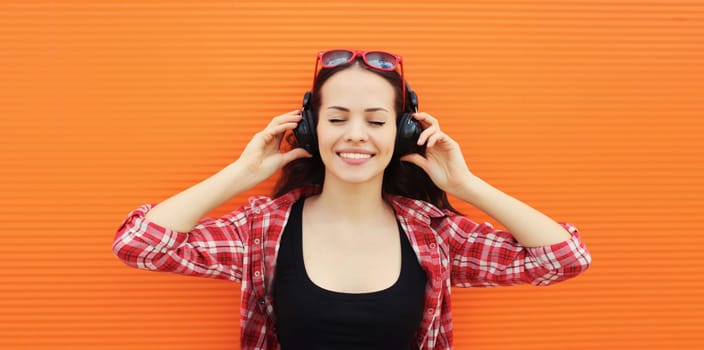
{"x":443,"y":160}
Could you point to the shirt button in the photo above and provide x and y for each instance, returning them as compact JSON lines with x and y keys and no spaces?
{"x":256,"y":273}
{"x":261,"y":301}
{"x":256,"y":210}
{"x":430,"y":311}
{"x":432,"y":245}
{"x":256,"y":241}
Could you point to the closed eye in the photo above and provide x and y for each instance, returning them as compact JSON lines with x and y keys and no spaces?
{"x":335,"y":120}
{"x":376,"y":123}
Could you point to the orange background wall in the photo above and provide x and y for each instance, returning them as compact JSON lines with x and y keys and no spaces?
{"x":590,"y":111}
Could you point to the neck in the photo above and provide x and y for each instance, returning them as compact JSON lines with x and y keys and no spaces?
{"x":353,"y":201}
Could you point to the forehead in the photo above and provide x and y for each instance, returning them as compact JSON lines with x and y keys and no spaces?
{"x":357,"y":87}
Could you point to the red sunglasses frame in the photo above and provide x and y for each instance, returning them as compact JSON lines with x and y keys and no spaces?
{"x":363,"y":54}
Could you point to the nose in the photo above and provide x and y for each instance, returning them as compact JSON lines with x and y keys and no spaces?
{"x":356,"y":130}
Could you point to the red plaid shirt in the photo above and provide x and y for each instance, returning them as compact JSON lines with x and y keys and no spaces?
{"x":242,"y":247}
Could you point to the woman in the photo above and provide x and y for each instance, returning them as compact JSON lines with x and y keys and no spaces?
{"x":359,"y":247}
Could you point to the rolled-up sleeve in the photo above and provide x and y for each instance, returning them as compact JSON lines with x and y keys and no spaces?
{"x":215,"y":248}
{"x":483,"y":256}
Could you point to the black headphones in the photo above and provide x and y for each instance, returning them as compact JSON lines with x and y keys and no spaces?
{"x":407,"y":129}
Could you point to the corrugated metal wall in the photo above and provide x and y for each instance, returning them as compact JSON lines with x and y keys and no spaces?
{"x":590,"y":111}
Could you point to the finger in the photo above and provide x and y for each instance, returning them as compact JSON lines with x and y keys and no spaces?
{"x":291,"y":116}
{"x":277,"y":131}
{"x":425,"y":134}
{"x":294,"y":154}
{"x":416,"y":159}
{"x":432,"y":140}
{"x":281,"y":128}
{"x":425,"y":119}
{"x":294,"y":116}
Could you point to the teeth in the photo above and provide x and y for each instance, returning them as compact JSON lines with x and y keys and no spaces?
{"x":355,"y":155}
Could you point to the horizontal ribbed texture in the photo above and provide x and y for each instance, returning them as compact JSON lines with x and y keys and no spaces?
{"x":590,"y":111}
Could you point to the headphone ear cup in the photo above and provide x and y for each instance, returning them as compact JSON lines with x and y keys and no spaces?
{"x":305,"y":130}
{"x":407,"y":134}
{"x":305,"y":133}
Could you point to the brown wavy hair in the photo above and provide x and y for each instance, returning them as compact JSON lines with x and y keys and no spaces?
{"x":400,"y":178}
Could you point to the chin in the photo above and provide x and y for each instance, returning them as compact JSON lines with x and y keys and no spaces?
{"x":351,"y":178}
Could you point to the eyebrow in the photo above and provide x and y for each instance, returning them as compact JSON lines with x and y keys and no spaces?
{"x":374,"y":109}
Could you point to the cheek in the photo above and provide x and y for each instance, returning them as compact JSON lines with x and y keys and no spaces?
{"x":386,"y":139}
{"x":325,"y":135}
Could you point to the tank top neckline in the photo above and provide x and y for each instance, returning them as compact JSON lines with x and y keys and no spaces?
{"x":312,"y":286}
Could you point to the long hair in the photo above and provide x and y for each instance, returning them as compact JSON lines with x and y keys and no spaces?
{"x":400,"y":178}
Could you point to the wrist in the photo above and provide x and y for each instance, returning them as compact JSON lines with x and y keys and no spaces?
{"x":239,"y":176}
{"x":470,"y":189}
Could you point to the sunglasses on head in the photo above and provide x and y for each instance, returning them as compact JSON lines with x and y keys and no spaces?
{"x":379,"y":60}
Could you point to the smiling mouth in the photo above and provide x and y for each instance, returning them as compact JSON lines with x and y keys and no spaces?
{"x":354,"y":155}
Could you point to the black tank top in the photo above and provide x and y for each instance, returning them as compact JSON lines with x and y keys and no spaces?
{"x":310,"y":317}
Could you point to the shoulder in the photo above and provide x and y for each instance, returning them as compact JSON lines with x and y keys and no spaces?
{"x":417,"y":209}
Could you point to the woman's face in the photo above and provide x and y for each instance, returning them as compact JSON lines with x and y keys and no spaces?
{"x":356,"y":126}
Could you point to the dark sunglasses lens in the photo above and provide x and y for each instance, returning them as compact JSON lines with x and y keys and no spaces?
{"x":336,"y":58}
{"x":381,"y":60}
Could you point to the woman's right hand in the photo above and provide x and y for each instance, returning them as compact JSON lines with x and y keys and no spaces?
{"x":262,"y":156}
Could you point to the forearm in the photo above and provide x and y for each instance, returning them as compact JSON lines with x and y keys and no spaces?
{"x":530,"y":227}
{"x":182,"y":211}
